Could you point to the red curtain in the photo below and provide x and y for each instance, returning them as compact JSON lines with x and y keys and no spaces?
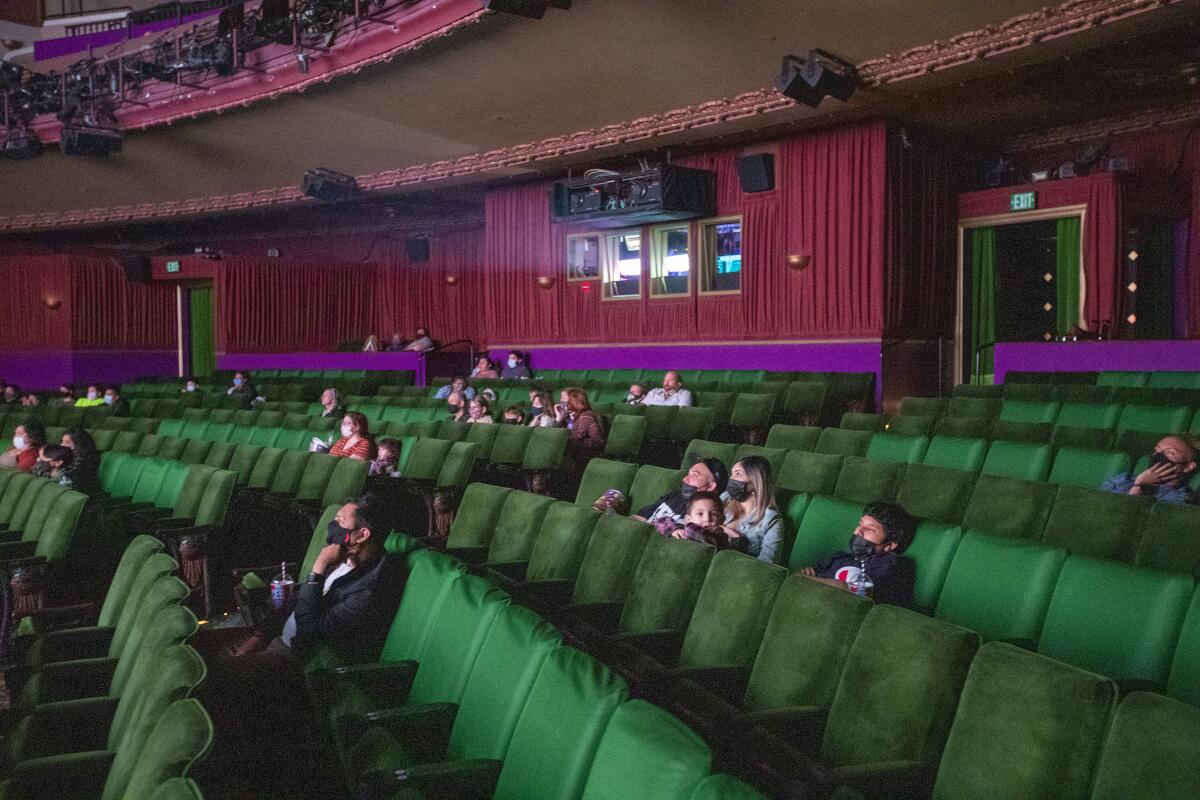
{"x":1102,"y":225}
{"x":32,"y":284}
{"x":110,"y":313}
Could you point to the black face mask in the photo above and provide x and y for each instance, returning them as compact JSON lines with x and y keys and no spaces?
{"x":336,"y":534}
{"x":688,"y":491}
{"x":738,"y":490}
{"x":1160,"y":458}
{"x":861,"y":547}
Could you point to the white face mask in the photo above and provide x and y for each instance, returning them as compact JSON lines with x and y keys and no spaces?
{"x":108,"y":398}
{"x":91,"y":395}
{"x":512,"y":362}
{"x":19,"y":442}
{"x":347,"y":429}
{"x":237,"y":381}
{"x":191,"y":387}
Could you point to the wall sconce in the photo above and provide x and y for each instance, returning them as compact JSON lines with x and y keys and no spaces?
{"x":452,"y":280}
{"x":799,"y":262}
{"x":53,"y":303}
{"x":545,"y":281}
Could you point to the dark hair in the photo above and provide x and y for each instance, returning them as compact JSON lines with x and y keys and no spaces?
{"x":83,"y":445}
{"x":520,"y":412}
{"x":114,"y":388}
{"x":516,"y":353}
{"x":58,"y":452}
{"x":577,"y":401}
{"x":898,"y":524}
{"x":35,"y":432}
{"x":713,"y":496}
{"x":719,"y":472}
{"x":371,"y":512}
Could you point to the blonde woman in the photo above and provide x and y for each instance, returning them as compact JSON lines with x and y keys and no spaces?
{"x":750,"y":508}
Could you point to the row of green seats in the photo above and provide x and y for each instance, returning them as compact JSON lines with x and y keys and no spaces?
{"x":121,"y":689}
{"x":39,"y":523}
{"x":64,"y":416}
{"x":1153,"y":379}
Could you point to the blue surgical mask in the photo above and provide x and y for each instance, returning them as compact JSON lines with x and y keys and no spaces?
{"x":237,"y":381}
{"x":108,"y":399}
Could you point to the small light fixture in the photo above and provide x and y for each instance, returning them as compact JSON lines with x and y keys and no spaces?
{"x":1132,"y":286}
{"x":53,"y":303}
{"x":1047,"y":277}
{"x":545,"y":281}
{"x":1048,"y":336}
{"x":1133,"y":255}
{"x":1047,"y":306}
{"x":303,"y":62}
{"x":452,"y":280}
{"x":1131,"y":319}
{"x":799,"y":262}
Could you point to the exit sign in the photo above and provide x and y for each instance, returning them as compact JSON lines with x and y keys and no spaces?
{"x":1022,"y":201}
{"x":172,"y":266}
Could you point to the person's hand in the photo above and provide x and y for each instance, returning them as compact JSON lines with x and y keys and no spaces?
{"x":328,"y":557}
{"x":808,"y":572}
{"x":1158,"y":474}
{"x":679,"y":533}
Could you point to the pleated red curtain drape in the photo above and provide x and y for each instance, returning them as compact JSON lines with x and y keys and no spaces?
{"x":110,"y":313}
{"x":31,"y":286}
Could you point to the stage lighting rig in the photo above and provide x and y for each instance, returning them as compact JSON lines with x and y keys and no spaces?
{"x":810,"y":80}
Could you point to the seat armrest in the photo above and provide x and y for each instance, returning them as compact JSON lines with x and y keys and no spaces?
{"x":77,"y":775}
{"x":728,"y":683}
{"x":72,"y":680}
{"x":422,"y":731}
{"x":72,"y":644}
{"x":9,"y":536}
{"x":603,"y":617}
{"x":468,"y":555}
{"x":452,"y":780}
{"x":69,"y":726}
{"x":662,"y":646}
{"x":513,"y":571}
{"x":550,"y":593}
{"x":388,"y":684}
{"x":46,"y":620}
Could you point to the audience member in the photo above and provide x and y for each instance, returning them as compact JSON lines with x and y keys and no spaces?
{"x":387,"y":458}
{"x":457,"y":384}
{"x":873,"y":565}
{"x":31,"y":400}
{"x":58,"y":464}
{"x":117,"y":405}
{"x":396,"y":345}
{"x":331,"y":403}
{"x":703,"y":523}
{"x":562,"y":410}
{"x":480,"y":410}
{"x":66,"y":395}
{"x":456,"y":405}
{"x":422,"y":343}
{"x":356,"y":439}
{"x":636,"y":394}
{"x":542,"y":414}
{"x":671,"y":393}
{"x":706,"y":475}
{"x":1172,"y":465}
{"x":84,"y":470}
{"x":192,"y":389}
{"x":514,"y":415}
{"x":242,"y":389}
{"x":27,"y":441}
{"x":41,"y":467}
{"x":12,"y":394}
{"x":91,"y":399}
{"x":484,"y":368}
{"x":585,"y":437}
{"x":514,"y":367}
{"x":750,"y":508}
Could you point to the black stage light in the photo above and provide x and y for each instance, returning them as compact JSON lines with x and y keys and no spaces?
{"x":534,"y":9}
{"x":810,"y":80}
{"x":83,"y":141}
{"x":22,"y":145}
{"x":327,"y":185}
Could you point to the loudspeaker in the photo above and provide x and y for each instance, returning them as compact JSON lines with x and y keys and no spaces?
{"x":137,"y":267}
{"x":418,"y":249}
{"x":327,"y":185}
{"x":534,"y":9}
{"x":810,"y":80}
{"x":757,"y":172}
{"x":89,"y":141}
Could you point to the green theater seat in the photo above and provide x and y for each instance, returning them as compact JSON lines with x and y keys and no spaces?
{"x":895,"y":449}
{"x":1155,"y":419}
{"x":1023,"y":460}
{"x":809,"y":473}
{"x":793,"y":437}
{"x":858,"y":421}
{"x":924,"y":406}
{"x":1097,"y":524}
{"x":826,"y":528}
{"x":955,"y":453}
{"x":699,"y":449}
{"x":908,"y":425}
{"x":935,"y":493}
{"x":1152,"y":750}
{"x":974,"y":407}
{"x":651,"y":482}
{"x":773,"y":456}
{"x":1009,"y":507}
{"x":932,"y":550}
{"x":804,"y":401}
{"x":863,"y":480}
{"x":600,"y":475}
{"x":838,"y":442}
{"x":1045,"y":412}
{"x":475,"y":521}
{"x":625,"y":436}
{"x":1035,"y":432}
{"x":516,"y":528}
{"x":1170,"y":539}
{"x":1114,"y":378}
{"x":1076,"y":466}
{"x":1184,"y":680}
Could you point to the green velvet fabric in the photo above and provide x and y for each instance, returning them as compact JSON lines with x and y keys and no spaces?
{"x":599,"y":476}
{"x":59,"y":527}
{"x":952,"y":452}
{"x":1142,"y":611}
{"x":752,"y":410}
{"x":651,"y":483}
{"x":183,"y":735}
{"x":898,"y":691}
{"x":625,"y":437}
{"x":347,"y":481}
{"x":1009,"y":507}
{"x":793,"y":437}
{"x":1076,"y":466}
{"x":246,"y":455}
{"x":1022,"y":460}
{"x":809,"y":473}
{"x":178,"y":789}
{"x":1155,"y":419}
{"x":807,"y":638}
{"x":154,"y":569}
{"x":974,"y":407}
{"x":124,"y":579}
{"x":556,"y":737}
{"x":485,"y":437}
{"x":773,"y":456}
{"x":319,"y":470}
{"x":805,"y":399}
{"x":215,"y":501}
{"x":837,"y":442}
{"x":31,"y":498}
{"x":935,"y":493}
{"x":699,"y":449}
{"x":430,"y":576}
{"x":910,"y":425}
{"x":1041,"y":411}
{"x":858,"y":421}
{"x":646,"y":752}
{"x":826,"y":528}
{"x":1094,"y":523}
{"x":924,"y":406}
{"x":691,"y":423}
{"x":287,"y":476}
{"x":1035,"y":432}
{"x":510,"y":444}
{"x":731,"y":612}
{"x":966,"y":427}
{"x":665,"y":585}
{"x":547,"y":447}
{"x":192,"y":491}
{"x":1153,"y":750}
{"x":1089,"y":415}
{"x":475,"y":521}
{"x":1171,"y":539}
{"x":865,"y":480}
{"x":1184,"y":681}
{"x":932,"y":551}
{"x":611,"y":559}
{"x":896,"y":449}
{"x":1000,"y":588}
{"x":560,"y":544}
{"x":725,"y":787}
{"x":1026,"y":727}
{"x":167,"y":626}
{"x":518,"y":525}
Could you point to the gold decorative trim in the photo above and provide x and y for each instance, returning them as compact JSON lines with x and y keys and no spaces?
{"x":1109,"y":126}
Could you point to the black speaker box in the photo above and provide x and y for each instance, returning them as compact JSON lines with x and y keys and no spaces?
{"x":418,"y":249}
{"x":757,"y":172}
{"x":534,"y":9}
{"x":328,"y":186}
{"x":137,"y":267}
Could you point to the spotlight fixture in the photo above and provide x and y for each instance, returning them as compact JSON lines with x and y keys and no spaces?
{"x":534,"y":9}
{"x":327,"y":185}
{"x":302,"y":62}
{"x":799,"y":262}
{"x":810,"y":80}
{"x":22,"y":145}
{"x":88,"y":141}
{"x":545,"y":281}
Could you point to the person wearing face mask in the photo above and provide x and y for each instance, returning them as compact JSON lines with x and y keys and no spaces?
{"x":27,"y":440}
{"x":242,"y":389}
{"x":191,"y":390}
{"x":514,"y":367}
{"x":66,"y":395}
{"x":356,"y":439}
{"x":12,"y":394}
{"x":457,"y":384}
{"x":84,"y":467}
{"x":117,"y":405}
{"x":484,"y":368}
{"x":750,"y":508}
{"x":57,"y":464}
{"x":479,"y":410}
{"x":91,"y":399}
{"x":542,"y":410}
{"x":874,"y":563}
{"x":1172,"y":465}
{"x":706,"y":475}
{"x":636,"y":394}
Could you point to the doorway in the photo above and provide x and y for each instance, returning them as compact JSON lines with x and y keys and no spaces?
{"x":198,"y":352}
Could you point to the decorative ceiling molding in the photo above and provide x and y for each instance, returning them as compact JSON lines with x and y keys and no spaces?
{"x":1014,"y":34}
{"x":1109,"y":126}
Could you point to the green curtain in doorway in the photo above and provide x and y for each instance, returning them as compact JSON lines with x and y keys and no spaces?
{"x":983,"y":303}
{"x":200,"y":312}
{"x":1066,"y":282}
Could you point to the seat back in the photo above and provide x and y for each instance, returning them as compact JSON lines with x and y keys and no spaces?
{"x":33,"y":510}
{"x":425,"y":461}
{"x":700,"y":449}
{"x":935,"y":493}
{"x":600,"y":475}
{"x":809,"y":473}
{"x":1077,"y":466}
{"x":58,"y":530}
{"x":317,"y":472}
{"x":346,"y":481}
{"x":429,"y":579}
{"x":155,"y":568}
{"x":560,"y":543}
{"x":1152,"y":750}
{"x":518,"y":526}
{"x":510,"y":444}
{"x":1026,"y":506}
{"x":456,"y":469}
{"x":195,"y":451}
{"x":1026,"y":727}
{"x":1094,"y":523}
{"x":827,"y":526}
{"x":178,"y":789}
{"x":731,"y":611}
{"x":292,"y":464}
{"x":1170,"y":539}
{"x":646,"y":752}
{"x":139,"y":549}
{"x":161,"y":622}
{"x":1184,"y":681}
{"x":891,"y":448}
{"x":651,"y":483}
{"x":838,"y":442}
{"x":611,"y":559}
{"x":1024,"y":460}
{"x":475,"y":521}
{"x":214,"y":502}
{"x":220,"y":454}
{"x":953,"y":452}
{"x":547,"y":447}
{"x":865,"y":480}
{"x":665,"y":586}
{"x":884,"y":713}
{"x":793,"y":437}
{"x":244,"y":458}
{"x":183,"y":735}
{"x":264,"y":469}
